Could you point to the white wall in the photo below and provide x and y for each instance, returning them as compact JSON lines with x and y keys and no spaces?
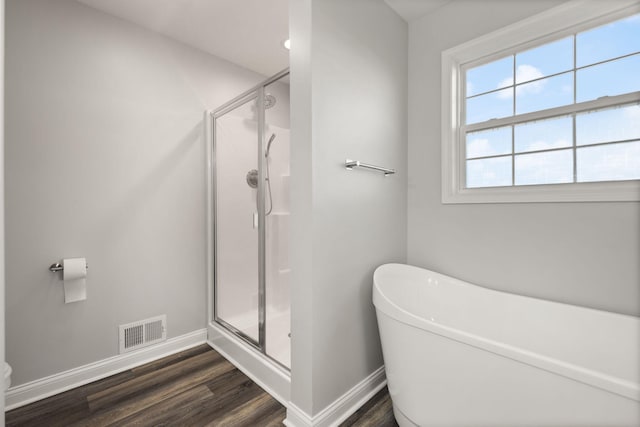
{"x":580,"y":253}
{"x":348,"y":101}
{"x":301,"y":230}
{"x":2,"y":268}
{"x":105,"y":158}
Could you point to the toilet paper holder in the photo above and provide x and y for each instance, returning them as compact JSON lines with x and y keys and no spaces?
{"x":56,"y":266}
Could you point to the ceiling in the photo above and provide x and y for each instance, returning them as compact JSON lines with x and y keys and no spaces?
{"x":413,"y":9}
{"x":246,"y":32}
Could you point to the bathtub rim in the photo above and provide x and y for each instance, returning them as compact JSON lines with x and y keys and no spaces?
{"x":622,"y":387}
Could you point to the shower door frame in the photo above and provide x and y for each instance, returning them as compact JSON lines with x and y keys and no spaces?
{"x":256,"y":93}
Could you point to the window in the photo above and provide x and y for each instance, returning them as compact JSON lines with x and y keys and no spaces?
{"x":553,"y":116}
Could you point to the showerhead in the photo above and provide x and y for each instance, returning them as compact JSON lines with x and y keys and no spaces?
{"x":273,"y":136}
{"x":269,"y":101}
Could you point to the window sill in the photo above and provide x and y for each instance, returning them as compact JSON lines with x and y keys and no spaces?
{"x":613,"y":191}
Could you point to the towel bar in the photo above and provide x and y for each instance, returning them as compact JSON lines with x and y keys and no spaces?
{"x":350,"y":164}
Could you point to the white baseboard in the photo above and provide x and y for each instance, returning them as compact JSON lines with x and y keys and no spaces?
{"x":342,"y":408}
{"x":296,"y":417}
{"x":39,"y":389}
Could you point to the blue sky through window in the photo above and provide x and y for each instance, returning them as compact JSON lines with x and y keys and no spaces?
{"x":490,"y":90}
{"x":548,"y":59}
{"x":490,"y":76}
{"x":608,"y":79}
{"x":608,"y":41}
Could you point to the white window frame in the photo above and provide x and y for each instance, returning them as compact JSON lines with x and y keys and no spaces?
{"x":554,"y":24}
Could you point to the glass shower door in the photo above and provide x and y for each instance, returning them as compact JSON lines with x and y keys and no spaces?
{"x":250,"y":216}
{"x":237,"y":237}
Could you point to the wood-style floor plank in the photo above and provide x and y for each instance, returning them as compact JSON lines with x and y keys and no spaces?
{"x":237,"y":391}
{"x":168,"y":360}
{"x":171,"y":411}
{"x":193,"y":388}
{"x":141,"y":400}
{"x":377,"y":412}
{"x":176,"y":372}
{"x":248,"y":414}
{"x":59,"y":411}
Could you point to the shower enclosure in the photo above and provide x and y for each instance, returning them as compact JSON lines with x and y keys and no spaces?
{"x":249,"y":218}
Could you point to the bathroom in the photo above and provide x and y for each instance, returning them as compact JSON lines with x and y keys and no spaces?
{"x":105,"y":158}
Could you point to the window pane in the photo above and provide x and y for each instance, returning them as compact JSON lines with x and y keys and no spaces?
{"x":609,"y":41}
{"x":613,"y":124}
{"x":494,"y":75}
{"x":611,"y":162}
{"x":493,"y":172}
{"x":544,"y":134}
{"x":551,"y":167}
{"x":489,"y":142}
{"x":490,"y":106}
{"x":551,"y":58}
{"x":608,"y":79}
{"x":546,"y":93}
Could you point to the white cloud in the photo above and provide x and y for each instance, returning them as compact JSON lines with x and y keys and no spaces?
{"x":524,"y":73}
{"x":633,"y":112}
{"x":612,"y":162}
{"x":470,"y":88}
{"x":478,"y":148}
{"x":608,"y":125}
{"x":632,"y":122}
{"x":504,"y":94}
{"x":489,"y":172}
{"x":544,"y":168}
{"x":616,"y":161}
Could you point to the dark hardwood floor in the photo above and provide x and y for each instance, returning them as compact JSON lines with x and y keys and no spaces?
{"x":196,"y":387}
{"x":377,"y":412}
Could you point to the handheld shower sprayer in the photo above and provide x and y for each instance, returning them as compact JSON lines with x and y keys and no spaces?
{"x":266,"y":155}
{"x":252,"y":175}
{"x":273,"y":136}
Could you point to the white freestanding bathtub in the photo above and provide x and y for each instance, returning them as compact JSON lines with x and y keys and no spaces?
{"x":458,"y":354}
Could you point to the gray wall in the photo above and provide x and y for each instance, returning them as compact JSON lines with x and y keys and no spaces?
{"x":349,"y":82}
{"x":2,"y":267}
{"x":579,"y":253}
{"x":104,"y":159}
{"x":301,"y":220}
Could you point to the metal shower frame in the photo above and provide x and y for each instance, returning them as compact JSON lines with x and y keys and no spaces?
{"x":256,"y":93}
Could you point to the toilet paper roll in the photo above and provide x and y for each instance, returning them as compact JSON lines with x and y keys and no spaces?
{"x":74,"y":268}
{"x":75,"y":283}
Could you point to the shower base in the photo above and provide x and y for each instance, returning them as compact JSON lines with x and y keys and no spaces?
{"x":267,"y":373}
{"x":278,"y":345}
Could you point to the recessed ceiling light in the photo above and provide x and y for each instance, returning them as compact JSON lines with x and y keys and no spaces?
{"x":287,"y":44}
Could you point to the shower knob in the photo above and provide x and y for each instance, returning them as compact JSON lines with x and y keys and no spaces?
{"x":252,"y":178}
